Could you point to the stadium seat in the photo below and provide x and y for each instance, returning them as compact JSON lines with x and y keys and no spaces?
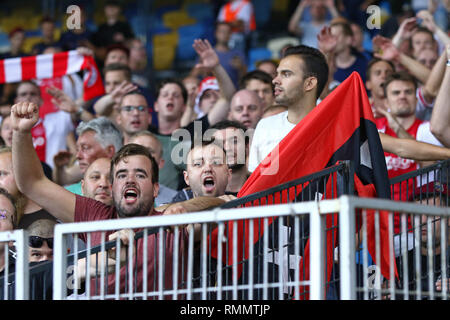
{"x":30,"y":42}
{"x":263,"y":10}
{"x":163,"y":57}
{"x":280,"y":5}
{"x":4,"y":42}
{"x":169,"y":39}
{"x":203,"y":12}
{"x":187,"y":34}
{"x":164,"y":48}
{"x":256,"y":54}
{"x":367,"y":41}
{"x":176,"y":19}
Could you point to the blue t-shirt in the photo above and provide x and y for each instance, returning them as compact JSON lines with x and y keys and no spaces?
{"x":225,"y":59}
{"x":360,"y":66}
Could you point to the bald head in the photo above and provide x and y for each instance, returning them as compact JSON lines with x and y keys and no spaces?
{"x":42,"y":228}
{"x":151,"y":142}
{"x":246,"y":107}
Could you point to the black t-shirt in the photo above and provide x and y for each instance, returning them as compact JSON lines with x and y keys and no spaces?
{"x":41,"y":280}
{"x":105,"y":33}
{"x":194,"y":129}
{"x":29,"y":218}
{"x":197,"y":127}
{"x":11,"y":279}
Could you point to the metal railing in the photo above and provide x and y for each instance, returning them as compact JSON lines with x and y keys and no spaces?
{"x":14,"y":277}
{"x":407,"y":185}
{"x":222,"y":264}
{"x":182,"y":287}
{"x":351,"y":283}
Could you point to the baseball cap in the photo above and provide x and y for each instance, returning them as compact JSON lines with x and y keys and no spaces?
{"x":208,"y":83}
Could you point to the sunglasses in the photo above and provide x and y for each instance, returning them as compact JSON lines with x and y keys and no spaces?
{"x":131,"y":108}
{"x":37,"y":242}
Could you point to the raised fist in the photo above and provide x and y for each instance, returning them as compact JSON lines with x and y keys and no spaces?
{"x":24,"y":115}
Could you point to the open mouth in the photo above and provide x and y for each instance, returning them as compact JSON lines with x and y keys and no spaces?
{"x":135,"y":123}
{"x":170,"y":106}
{"x":209,"y":184}
{"x":130,"y":196}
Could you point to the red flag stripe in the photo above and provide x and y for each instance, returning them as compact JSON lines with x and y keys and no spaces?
{"x":319,"y":136}
{"x":46,"y":66}
{"x":28,"y":68}
{"x":2,"y":71}
{"x":60,"y":64}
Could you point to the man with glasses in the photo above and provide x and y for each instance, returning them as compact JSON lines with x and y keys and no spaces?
{"x":134,"y":114}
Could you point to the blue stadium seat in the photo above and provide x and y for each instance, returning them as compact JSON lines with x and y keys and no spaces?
{"x":4,"y":41}
{"x":187,"y":34}
{"x":201,"y":11}
{"x":157,"y":26}
{"x":367,"y":41}
{"x":138,"y":24}
{"x":256,"y":54}
{"x":263,"y":10}
{"x":167,"y":8}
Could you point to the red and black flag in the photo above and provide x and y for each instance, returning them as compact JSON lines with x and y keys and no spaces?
{"x":340,"y":128}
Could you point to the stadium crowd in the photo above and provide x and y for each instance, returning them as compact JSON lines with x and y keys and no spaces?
{"x":67,"y":159}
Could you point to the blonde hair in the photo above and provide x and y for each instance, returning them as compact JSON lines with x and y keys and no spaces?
{"x":20,"y":200}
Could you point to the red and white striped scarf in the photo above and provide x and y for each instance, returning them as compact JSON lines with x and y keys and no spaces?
{"x":45,"y":66}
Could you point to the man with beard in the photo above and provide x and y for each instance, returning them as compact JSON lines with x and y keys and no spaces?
{"x":301,"y":77}
{"x":233,"y":137}
{"x":134,"y":178}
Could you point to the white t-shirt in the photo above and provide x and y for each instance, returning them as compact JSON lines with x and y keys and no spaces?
{"x":268,"y":133}
{"x":424,"y":135}
{"x":423,"y":107}
{"x":57,"y":126}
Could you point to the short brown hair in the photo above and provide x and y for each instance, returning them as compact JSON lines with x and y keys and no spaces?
{"x":374,"y":61}
{"x":133,"y":149}
{"x":118,"y":67}
{"x":399,"y":76}
{"x":346,"y":27}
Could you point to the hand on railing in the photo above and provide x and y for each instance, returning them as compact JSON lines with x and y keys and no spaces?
{"x":125,"y":235}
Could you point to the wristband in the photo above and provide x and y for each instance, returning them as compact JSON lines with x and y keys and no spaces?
{"x":448,"y":63}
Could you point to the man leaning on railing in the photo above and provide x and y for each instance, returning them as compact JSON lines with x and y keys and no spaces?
{"x":134,"y":186}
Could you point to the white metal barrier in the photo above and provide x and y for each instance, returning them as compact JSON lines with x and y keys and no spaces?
{"x":217,"y":216}
{"x":411,"y":244}
{"x":423,"y":242}
{"x":17,"y":258}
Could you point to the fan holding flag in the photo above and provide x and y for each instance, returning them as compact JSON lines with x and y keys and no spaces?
{"x":49,"y":134}
{"x":307,"y":138}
